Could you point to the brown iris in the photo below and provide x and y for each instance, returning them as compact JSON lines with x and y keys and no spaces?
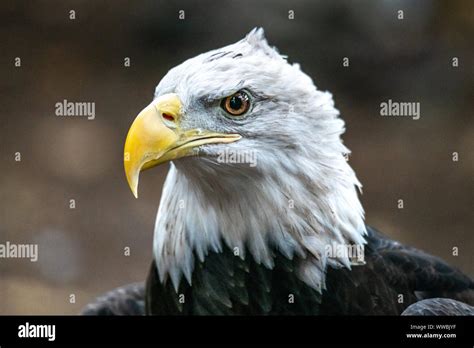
{"x":236,"y":104}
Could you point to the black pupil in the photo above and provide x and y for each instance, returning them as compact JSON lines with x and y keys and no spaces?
{"x":236,"y":102}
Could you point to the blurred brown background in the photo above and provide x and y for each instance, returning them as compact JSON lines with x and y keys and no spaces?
{"x":81,"y":251}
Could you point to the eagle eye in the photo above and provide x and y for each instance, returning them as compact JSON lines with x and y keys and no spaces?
{"x":236,"y":104}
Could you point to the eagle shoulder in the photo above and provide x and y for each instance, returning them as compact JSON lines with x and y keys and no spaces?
{"x":125,"y":300}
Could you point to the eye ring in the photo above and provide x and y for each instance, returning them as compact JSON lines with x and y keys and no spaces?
{"x":236,"y":104}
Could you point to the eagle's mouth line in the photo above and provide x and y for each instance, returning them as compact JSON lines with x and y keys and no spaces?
{"x":189,"y":144}
{"x":221,"y":138}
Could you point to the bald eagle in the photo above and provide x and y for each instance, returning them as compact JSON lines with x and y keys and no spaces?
{"x":260,"y":212}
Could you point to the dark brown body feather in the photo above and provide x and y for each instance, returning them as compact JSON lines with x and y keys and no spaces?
{"x":393,"y":278}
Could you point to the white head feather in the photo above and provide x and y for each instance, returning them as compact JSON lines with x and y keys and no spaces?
{"x":301,"y":195}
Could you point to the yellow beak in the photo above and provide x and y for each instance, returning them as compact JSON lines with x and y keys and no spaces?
{"x":155,"y":137}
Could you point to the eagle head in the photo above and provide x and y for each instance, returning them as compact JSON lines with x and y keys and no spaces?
{"x":257,"y":163}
